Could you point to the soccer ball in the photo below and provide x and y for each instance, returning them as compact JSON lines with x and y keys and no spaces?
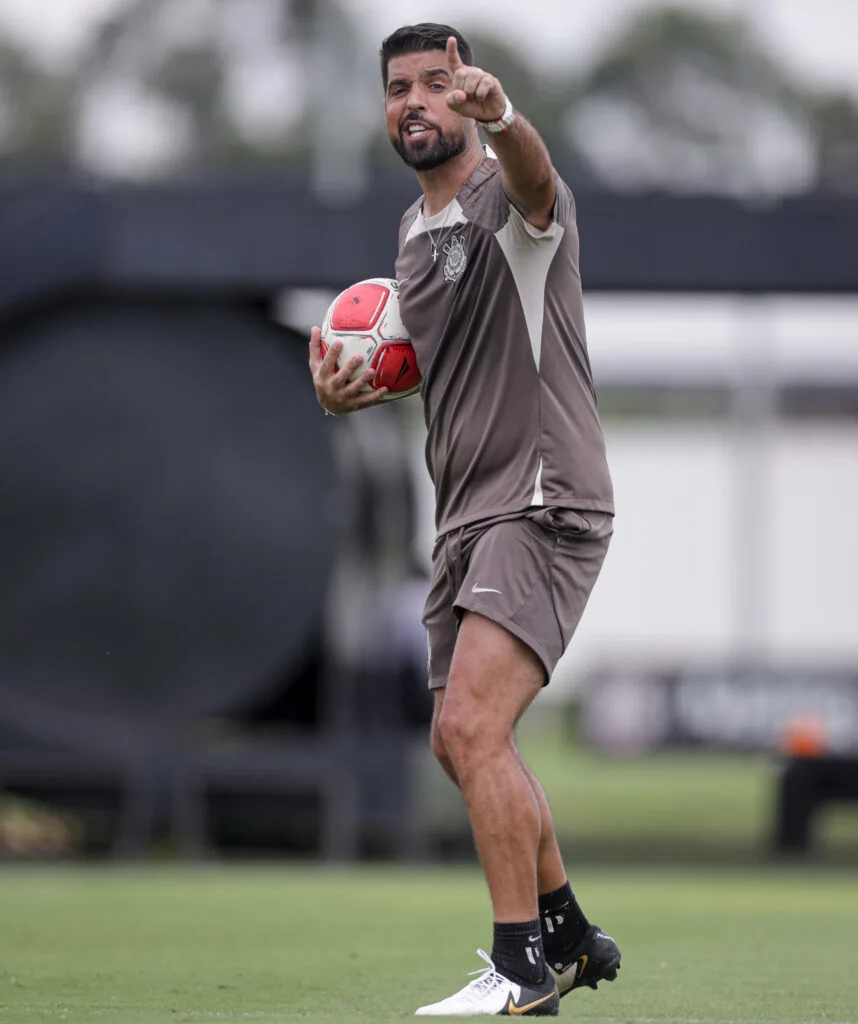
{"x":365,"y":318}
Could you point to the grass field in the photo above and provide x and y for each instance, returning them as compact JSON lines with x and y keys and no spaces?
{"x":710,"y":806}
{"x":285,"y":943}
{"x":667,"y":806}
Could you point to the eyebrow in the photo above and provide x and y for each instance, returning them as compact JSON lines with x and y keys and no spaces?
{"x":426,"y":73}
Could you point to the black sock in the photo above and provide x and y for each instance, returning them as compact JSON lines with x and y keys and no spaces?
{"x":563,"y":922}
{"x":517,"y":952}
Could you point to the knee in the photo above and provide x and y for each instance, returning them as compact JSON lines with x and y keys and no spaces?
{"x":464,"y":733}
{"x":442,"y":755}
{"x":439,"y":747}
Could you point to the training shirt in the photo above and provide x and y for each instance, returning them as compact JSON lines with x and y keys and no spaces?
{"x":494,"y":309}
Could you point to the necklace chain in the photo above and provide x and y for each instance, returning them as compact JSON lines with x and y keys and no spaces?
{"x":434,"y":245}
{"x":436,"y":242}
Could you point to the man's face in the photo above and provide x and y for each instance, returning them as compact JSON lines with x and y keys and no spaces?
{"x":423,"y":129}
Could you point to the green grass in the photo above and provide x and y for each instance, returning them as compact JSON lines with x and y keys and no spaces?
{"x":670,"y":805}
{"x":370,"y":944}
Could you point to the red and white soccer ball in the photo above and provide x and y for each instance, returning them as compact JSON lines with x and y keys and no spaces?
{"x":366,"y":319}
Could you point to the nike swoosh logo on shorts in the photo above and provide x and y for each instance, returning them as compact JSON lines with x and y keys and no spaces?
{"x":477,"y":589}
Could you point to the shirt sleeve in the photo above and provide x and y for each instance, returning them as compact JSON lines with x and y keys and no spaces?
{"x":526,"y":234}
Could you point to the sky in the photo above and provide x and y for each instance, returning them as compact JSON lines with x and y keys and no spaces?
{"x":816,"y":37}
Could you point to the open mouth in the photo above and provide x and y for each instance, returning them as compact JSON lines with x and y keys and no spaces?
{"x":417,"y":130}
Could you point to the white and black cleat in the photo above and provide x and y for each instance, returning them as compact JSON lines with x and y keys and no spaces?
{"x":491,"y":994}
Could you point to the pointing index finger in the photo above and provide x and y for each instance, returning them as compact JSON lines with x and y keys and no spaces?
{"x":453,"y":53}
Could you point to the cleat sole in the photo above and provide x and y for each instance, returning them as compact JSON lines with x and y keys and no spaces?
{"x":608,"y":973}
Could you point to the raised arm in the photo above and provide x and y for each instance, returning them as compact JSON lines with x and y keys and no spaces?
{"x":528,"y":175}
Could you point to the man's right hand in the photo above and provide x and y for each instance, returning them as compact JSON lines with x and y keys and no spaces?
{"x":334,"y":389}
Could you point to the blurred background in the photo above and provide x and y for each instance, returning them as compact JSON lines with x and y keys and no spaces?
{"x":210,"y":594}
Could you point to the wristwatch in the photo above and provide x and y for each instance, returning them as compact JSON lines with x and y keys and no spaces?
{"x":504,"y":122}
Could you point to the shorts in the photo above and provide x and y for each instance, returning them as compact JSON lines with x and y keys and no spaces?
{"x":531,"y":573}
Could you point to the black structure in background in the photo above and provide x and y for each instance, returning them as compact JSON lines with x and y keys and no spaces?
{"x":168,"y":486}
{"x":242,"y":242}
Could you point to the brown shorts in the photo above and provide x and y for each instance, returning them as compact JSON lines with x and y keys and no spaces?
{"x":531,"y":573}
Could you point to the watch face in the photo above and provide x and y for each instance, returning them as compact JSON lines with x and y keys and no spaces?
{"x":502,"y":124}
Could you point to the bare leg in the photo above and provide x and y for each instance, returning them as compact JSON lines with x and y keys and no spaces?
{"x":493,"y":679}
{"x":550,"y":872}
{"x":563,"y":941}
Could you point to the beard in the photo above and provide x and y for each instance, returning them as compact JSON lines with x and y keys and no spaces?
{"x":426,"y":154}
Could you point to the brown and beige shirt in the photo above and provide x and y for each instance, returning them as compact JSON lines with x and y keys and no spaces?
{"x":494,"y":310}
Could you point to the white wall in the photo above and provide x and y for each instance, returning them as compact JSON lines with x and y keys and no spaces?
{"x":670,"y":589}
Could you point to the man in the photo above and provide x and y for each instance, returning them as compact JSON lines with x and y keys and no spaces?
{"x":491,"y":295}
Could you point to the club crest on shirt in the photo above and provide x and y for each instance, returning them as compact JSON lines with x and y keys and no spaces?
{"x":457,"y":258}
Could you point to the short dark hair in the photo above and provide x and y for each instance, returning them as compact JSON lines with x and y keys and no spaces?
{"x":419,"y":39}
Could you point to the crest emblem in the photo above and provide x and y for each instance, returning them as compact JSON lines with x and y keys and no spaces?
{"x":457,"y":258}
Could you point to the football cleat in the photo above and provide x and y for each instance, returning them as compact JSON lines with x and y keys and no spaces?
{"x":493,"y":994}
{"x":596,"y":958}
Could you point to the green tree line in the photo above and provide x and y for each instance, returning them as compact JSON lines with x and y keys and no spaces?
{"x":675,"y":99}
